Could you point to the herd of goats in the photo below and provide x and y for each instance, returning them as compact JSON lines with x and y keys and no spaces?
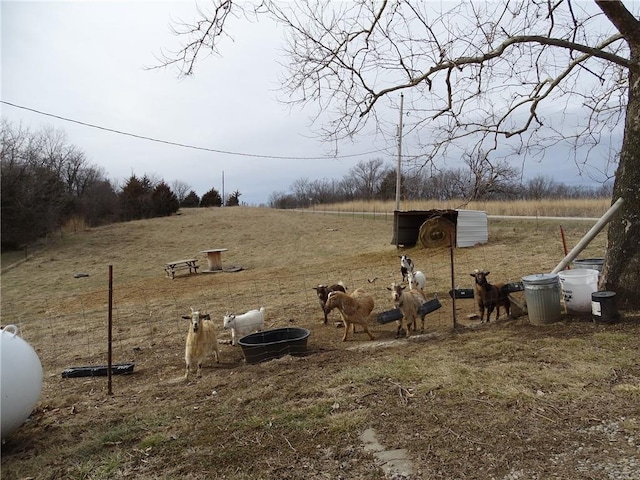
{"x":354,"y":308}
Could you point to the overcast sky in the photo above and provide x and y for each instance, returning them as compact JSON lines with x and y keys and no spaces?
{"x":86,"y":61}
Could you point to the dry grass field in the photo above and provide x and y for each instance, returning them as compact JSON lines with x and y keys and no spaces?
{"x":503,"y":400}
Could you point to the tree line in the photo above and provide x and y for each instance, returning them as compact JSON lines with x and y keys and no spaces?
{"x":46,"y":182}
{"x":479,"y":179}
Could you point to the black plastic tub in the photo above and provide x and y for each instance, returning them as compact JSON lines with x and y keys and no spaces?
{"x":98,"y":370}
{"x":269,"y":344}
{"x":389,"y":316}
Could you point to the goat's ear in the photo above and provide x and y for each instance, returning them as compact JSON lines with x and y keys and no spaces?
{"x":315,"y":288}
{"x":486,"y":273}
{"x":186,"y":317}
{"x":205,"y":317}
{"x":473,"y":275}
{"x":389,"y":288}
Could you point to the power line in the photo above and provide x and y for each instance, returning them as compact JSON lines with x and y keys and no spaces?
{"x":183,"y":145}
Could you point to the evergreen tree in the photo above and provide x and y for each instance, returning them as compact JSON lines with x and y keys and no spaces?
{"x":191,"y":200}
{"x":211,"y":199}
{"x":234,"y":199}
{"x":164,"y":201}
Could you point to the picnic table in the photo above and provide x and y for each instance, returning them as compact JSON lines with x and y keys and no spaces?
{"x":190,"y":264}
{"x":214,"y":259}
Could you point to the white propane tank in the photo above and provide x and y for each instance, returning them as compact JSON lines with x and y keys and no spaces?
{"x":20,"y":380}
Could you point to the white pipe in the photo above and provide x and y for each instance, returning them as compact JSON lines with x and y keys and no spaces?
{"x":582,"y":244}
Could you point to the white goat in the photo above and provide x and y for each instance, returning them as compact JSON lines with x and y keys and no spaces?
{"x":241,"y":325}
{"x":417,"y":279}
{"x":201,"y":341}
{"x":409,"y":303}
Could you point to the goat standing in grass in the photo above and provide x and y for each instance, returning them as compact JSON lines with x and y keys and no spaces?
{"x":409,"y":303}
{"x":244,"y":324}
{"x":354,"y":308}
{"x":417,"y":280}
{"x":490,"y":297}
{"x":406,"y":267}
{"x":201,"y":341}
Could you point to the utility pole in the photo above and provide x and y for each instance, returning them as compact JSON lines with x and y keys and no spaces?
{"x":399,"y":169}
{"x":222,"y":189}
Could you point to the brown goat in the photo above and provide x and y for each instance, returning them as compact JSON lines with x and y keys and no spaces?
{"x":490,"y":296}
{"x":323,"y":293}
{"x":355,"y":309}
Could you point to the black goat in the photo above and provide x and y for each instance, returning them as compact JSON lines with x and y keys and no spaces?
{"x":323,"y":294}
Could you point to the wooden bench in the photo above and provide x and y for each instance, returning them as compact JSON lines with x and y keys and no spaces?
{"x":190,"y":264}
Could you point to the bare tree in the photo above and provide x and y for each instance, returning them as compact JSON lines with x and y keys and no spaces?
{"x":181,"y":189}
{"x":506,"y":78}
{"x":367,"y":177}
{"x":488,"y":179}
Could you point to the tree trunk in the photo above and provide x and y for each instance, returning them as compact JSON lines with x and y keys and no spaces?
{"x":621,"y":270}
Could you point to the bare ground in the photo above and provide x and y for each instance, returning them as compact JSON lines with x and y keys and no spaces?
{"x":504,"y":400}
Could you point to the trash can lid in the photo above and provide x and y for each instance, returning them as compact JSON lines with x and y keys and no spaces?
{"x":540,"y":278}
{"x":602,"y":294}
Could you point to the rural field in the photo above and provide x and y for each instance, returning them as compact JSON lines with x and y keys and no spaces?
{"x":499,"y":400}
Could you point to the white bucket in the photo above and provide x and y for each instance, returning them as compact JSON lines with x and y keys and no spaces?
{"x":577,"y":286}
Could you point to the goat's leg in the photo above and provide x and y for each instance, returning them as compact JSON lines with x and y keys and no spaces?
{"x":399,"y":329}
{"x":366,"y":329}
{"x":489,"y":312}
{"x":481,"y":310}
{"x":346,"y":330}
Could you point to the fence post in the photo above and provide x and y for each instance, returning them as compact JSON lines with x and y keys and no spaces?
{"x":110,"y":330}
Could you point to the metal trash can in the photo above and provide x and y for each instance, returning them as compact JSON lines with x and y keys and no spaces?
{"x":591,"y":263}
{"x":542,"y":294}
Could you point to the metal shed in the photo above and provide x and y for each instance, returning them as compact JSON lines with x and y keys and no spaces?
{"x":438,"y":228}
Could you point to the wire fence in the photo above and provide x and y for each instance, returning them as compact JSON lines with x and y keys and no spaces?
{"x":72,"y":329}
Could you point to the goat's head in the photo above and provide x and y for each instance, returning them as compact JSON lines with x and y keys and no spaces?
{"x":228,"y":320}
{"x":480,"y":276}
{"x":195,"y":318}
{"x":322,"y":291}
{"x":396,"y":291}
{"x":406,"y":262}
{"x":333,"y":300}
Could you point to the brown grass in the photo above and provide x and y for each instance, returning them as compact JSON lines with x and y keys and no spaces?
{"x":501,"y":400}
{"x":587,"y":207}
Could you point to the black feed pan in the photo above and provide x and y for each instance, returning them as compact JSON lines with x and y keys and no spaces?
{"x":389,"y":316}
{"x":268,"y":344}
{"x":98,"y":370}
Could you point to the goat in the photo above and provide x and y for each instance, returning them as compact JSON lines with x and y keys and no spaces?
{"x":201,"y":341}
{"x":323,"y":293}
{"x":490,"y":296}
{"x":417,"y":279}
{"x":406,"y":266}
{"x":354,"y":308}
{"x":240,"y":325}
{"x":409,"y":303}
